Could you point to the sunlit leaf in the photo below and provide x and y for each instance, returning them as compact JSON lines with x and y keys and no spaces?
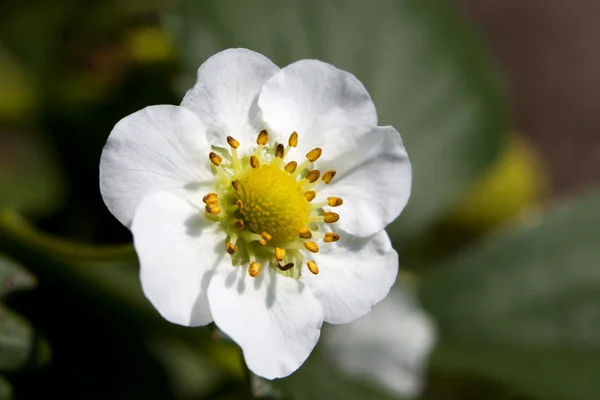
{"x":523,"y":307}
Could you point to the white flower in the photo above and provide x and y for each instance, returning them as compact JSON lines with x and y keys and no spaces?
{"x":234,"y":222}
{"x":388,"y":347}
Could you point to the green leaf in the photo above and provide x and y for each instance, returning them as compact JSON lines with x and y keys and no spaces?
{"x":16,"y":341}
{"x":523,"y":307}
{"x":6,"y":392}
{"x":13,"y":278}
{"x":426,"y":73}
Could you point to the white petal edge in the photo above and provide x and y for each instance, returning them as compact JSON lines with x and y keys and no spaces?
{"x":312,"y":97}
{"x":225,"y":95}
{"x":179,"y":250}
{"x":274,"y":319}
{"x":373,"y":177}
{"x":388,"y":347}
{"x":159,"y":148}
{"x":355,"y":273}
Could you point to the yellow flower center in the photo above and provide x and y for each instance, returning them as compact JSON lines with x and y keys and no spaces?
{"x":265,"y":206}
{"x":273,"y":202}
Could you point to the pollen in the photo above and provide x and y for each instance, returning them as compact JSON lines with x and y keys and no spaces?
{"x":254,"y":269}
{"x":312,"y":267}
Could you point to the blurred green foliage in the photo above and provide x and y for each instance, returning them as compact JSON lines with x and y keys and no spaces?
{"x":522,"y":306}
{"x":518,"y":309}
{"x":20,"y":347}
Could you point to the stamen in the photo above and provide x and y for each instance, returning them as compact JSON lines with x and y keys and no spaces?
{"x":239,"y":204}
{"x":254,"y":163}
{"x":314,"y":154}
{"x":312,"y":247}
{"x":293,"y":142}
{"x":310,"y":195}
{"x":330,"y":217}
{"x":236,"y":184}
{"x":235,"y":159}
{"x":313,"y":175}
{"x":215,"y":158}
{"x":232,"y":142}
{"x":334,"y":201}
{"x":285,"y":267}
{"x":239,"y":223}
{"x":263,"y":137}
{"x":301,"y":167}
{"x":279,"y":150}
{"x":279,"y":254}
{"x":265,"y":238}
{"x":290,"y":167}
{"x":331,"y":237}
{"x":212,"y":209}
{"x":211,"y":198}
{"x":328,"y":176}
{"x":305,"y":233}
{"x":254,"y":269}
{"x":312,"y":267}
{"x":231,"y":248}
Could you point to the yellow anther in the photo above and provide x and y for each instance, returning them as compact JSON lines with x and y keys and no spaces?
{"x":215,"y":158}
{"x":305,"y":233}
{"x":293,"y":142}
{"x":310,"y":195}
{"x":239,"y":223}
{"x":334,"y":201}
{"x":212,"y":209}
{"x":313,"y":175}
{"x":285,"y":267}
{"x":279,"y":254}
{"x":211,"y":198}
{"x":254,"y":269}
{"x":254,"y":163}
{"x":328,"y":176}
{"x":312,"y":267}
{"x":331,"y":237}
{"x":232,"y":142}
{"x":231,"y":248}
{"x":312,"y":247}
{"x":265,"y":238}
{"x":236,"y":184}
{"x":279,"y":150}
{"x":291,"y":166}
{"x":239,"y":204}
{"x":330,"y":217}
{"x":314,"y":154}
{"x":263,"y":137}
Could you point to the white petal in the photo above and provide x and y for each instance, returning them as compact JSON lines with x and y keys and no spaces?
{"x":274,"y":319}
{"x":225,"y":95}
{"x":388,"y":347}
{"x":179,"y":250}
{"x":355,"y":273}
{"x":373,"y":176}
{"x":312,"y":97}
{"x":159,"y":148}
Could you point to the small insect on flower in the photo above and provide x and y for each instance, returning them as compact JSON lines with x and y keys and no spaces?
{"x":260,"y":203}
